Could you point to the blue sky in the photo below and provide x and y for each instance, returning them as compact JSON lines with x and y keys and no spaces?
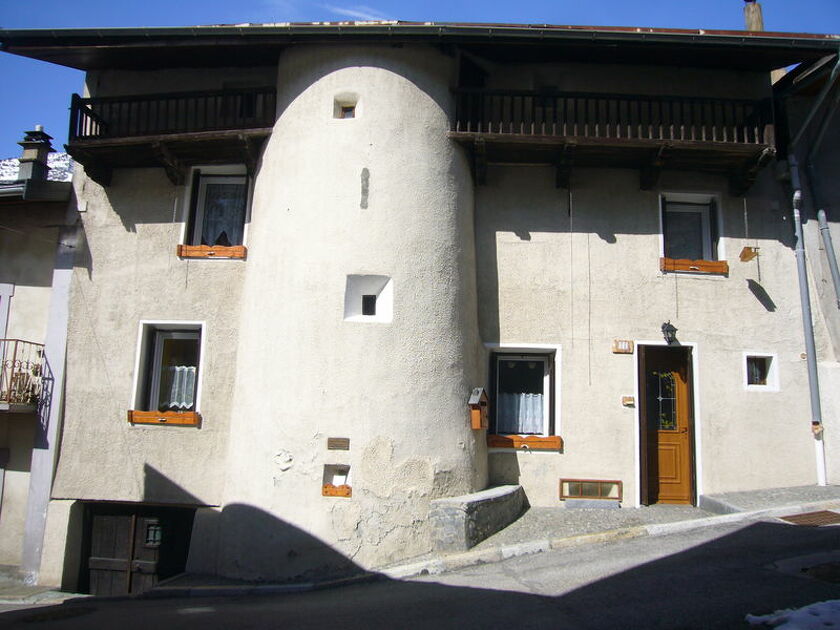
{"x":41,"y":92}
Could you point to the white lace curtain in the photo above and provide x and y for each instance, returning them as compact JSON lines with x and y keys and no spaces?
{"x":182,"y":387}
{"x":519,"y":413}
{"x":224,"y":214}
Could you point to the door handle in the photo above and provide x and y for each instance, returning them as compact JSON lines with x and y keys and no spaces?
{"x":684,"y":430}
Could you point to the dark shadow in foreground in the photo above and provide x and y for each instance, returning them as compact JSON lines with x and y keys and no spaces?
{"x":712,"y":585}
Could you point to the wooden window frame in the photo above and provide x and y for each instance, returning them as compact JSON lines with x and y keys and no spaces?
{"x":708,"y":207}
{"x":148,"y":373}
{"x":201,"y":176}
{"x":548,"y":440}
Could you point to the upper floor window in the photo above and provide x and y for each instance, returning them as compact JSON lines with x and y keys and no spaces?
{"x":690,"y":229}
{"x":218,"y":212}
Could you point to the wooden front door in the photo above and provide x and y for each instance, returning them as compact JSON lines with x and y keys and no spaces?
{"x":666,"y":425}
{"x":133,"y":546}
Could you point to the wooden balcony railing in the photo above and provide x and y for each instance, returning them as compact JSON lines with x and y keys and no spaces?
{"x":21,"y":372}
{"x":176,"y":113}
{"x":613,"y":116}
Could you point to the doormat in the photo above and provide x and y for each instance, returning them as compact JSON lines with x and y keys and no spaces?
{"x":814,"y":519}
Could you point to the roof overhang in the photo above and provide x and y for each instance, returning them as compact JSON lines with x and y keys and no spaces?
{"x":35,"y":190}
{"x":261,"y":44}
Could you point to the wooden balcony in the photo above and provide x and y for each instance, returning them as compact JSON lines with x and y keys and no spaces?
{"x":170,"y":130}
{"x":649,"y":133}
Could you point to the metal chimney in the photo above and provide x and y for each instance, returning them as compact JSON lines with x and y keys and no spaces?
{"x":33,"y":162}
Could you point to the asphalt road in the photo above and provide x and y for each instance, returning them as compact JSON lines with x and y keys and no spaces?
{"x":709,"y":578}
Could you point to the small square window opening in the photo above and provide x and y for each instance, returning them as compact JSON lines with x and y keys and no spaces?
{"x":761,"y":372}
{"x":369,"y":299}
{"x":368,"y":305}
{"x":348,"y":111}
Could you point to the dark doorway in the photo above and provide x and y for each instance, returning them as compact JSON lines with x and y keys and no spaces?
{"x":130,"y":547}
{"x":666,"y":432}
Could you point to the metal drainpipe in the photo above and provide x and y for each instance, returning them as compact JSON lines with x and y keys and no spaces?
{"x":807,"y":323}
{"x":825,"y":231}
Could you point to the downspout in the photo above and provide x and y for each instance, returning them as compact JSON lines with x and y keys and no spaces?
{"x":804,"y":292}
{"x":825,"y":232}
{"x":807,"y":323}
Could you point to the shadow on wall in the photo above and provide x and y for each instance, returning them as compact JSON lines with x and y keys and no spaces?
{"x":518,"y":207}
{"x":244,"y":541}
{"x":713,"y":585}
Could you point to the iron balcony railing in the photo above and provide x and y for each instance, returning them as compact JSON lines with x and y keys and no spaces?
{"x":182,"y":112}
{"x":613,"y":116}
{"x":21,"y":371}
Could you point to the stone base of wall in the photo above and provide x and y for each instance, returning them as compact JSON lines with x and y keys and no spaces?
{"x":459,"y":523}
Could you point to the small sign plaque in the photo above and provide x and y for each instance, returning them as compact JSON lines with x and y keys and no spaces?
{"x":622,"y":346}
{"x":338,"y":444}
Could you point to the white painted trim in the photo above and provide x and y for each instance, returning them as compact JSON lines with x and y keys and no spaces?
{"x":538,"y":348}
{"x":772,"y":375}
{"x":698,"y":443}
{"x":7,"y":290}
{"x":143,"y":329}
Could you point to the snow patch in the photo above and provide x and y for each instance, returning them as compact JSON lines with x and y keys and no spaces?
{"x":60,"y":164}
{"x":817,"y":616}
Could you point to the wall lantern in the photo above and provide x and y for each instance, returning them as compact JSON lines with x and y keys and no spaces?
{"x":669,"y":331}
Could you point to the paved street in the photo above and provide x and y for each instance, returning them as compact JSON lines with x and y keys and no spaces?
{"x":707,"y":578}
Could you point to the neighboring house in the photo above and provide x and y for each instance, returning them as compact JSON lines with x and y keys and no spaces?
{"x":35,"y":193}
{"x":306,"y":244}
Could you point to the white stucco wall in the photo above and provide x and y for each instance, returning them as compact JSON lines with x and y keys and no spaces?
{"x":128,"y":271}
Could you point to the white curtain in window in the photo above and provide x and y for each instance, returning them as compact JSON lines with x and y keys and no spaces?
{"x":519,"y":413}
{"x":182,"y":389}
{"x":224,"y":214}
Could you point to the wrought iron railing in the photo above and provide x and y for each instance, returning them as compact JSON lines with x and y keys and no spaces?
{"x":21,"y":371}
{"x":613,"y":116}
{"x":182,"y":112}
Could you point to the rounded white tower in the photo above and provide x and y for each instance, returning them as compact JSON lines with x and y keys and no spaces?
{"x":358,"y":319}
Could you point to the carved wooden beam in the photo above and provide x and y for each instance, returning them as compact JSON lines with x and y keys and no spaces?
{"x":96,"y":170}
{"x":742,"y":181}
{"x":251,"y":148}
{"x":172,"y":165}
{"x":650,"y":172}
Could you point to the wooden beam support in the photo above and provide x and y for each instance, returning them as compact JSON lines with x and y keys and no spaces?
{"x":251,"y":148}
{"x":742,"y":181}
{"x":650,"y":172}
{"x":173,"y":167}
{"x":564,"y":166}
{"x":480,"y":162}
{"x":96,"y":170}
